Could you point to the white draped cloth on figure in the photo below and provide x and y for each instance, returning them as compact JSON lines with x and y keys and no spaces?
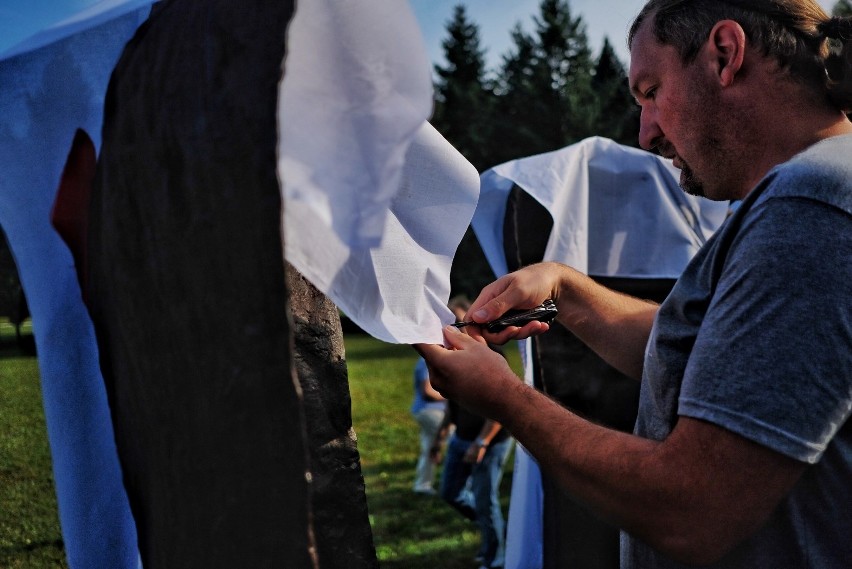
{"x":617,"y":212}
{"x":376,"y":203}
{"x":55,"y":61}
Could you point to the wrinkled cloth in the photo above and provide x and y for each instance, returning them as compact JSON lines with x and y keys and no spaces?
{"x":376,"y":201}
{"x":27,"y":25}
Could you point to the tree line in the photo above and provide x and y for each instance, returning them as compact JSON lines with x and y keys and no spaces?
{"x":548,"y":92}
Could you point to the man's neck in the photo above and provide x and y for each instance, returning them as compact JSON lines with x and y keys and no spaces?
{"x":787,"y":134}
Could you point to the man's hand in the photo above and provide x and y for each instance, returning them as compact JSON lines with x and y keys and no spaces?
{"x":474,"y":454}
{"x":616,"y":326}
{"x":523,"y":289}
{"x":435,"y":452}
{"x":468,"y":371}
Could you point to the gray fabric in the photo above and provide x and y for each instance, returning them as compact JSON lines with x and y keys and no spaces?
{"x":757,"y":337}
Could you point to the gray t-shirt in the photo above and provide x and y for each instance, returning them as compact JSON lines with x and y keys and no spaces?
{"x":756,"y":337}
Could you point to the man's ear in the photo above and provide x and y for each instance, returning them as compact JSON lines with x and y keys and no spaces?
{"x":727,"y":45}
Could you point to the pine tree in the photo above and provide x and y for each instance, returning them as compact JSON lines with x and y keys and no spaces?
{"x":520,"y":105}
{"x":618,"y":114}
{"x":565,"y":62}
{"x":463,"y":98}
{"x":463,"y":114}
{"x":545,"y":85}
{"x":843,"y":8}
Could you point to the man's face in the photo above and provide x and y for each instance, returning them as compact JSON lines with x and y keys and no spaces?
{"x":681,"y":114}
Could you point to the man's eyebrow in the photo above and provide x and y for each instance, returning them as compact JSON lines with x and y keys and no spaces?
{"x":634,"y":86}
{"x":635,"y":92}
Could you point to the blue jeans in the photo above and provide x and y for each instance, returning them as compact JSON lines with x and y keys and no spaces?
{"x":429,"y":421}
{"x":474,"y":490}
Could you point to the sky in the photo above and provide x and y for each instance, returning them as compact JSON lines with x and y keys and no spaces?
{"x":496,"y":18}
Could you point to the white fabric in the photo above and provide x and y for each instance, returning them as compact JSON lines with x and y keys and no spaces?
{"x":46,"y":94}
{"x":524,"y":527}
{"x":26,"y":25}
{"x":617,"y":211}
{"x":397,"y":291}
{"x":370,"y":222}
{"x":356,"y":88}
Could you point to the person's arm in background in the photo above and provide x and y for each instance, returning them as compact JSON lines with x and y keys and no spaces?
{"x":429,"y":392}
{"x":476,"y":451}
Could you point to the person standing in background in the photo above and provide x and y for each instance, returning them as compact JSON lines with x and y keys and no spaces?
{"x":428,"y":409}
{"x":476,"y":453}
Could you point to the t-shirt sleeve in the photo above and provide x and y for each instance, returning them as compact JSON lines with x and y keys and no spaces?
{"x":421,"y":372}
{"x":771,"y":361}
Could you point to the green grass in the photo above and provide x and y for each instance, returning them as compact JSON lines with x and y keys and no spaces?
{"x":29,"y":524}
{"x":410,"y":531}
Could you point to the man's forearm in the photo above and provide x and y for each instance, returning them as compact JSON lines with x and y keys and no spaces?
{"x":598,"y":466}
{"x":693,"y":496}
{"x":616,"y":326}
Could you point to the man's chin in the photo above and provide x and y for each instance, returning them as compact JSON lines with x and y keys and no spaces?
{"x":689,"y":184}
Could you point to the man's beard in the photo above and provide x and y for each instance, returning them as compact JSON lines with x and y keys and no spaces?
{"x":689,"y":183}
{"x":713,"y":154}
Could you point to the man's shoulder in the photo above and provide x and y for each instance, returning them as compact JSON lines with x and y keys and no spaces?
{"x":822,"y":172}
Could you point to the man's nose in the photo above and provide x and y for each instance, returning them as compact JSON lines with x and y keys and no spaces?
{"x":650,"y":132}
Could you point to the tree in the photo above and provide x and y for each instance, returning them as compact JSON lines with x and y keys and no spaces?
{"x":464,"y":115}
{"x":520,"y":106}
{"x":13,"y":303}
{"x":618,"y":115}
{"x":463,"y":97}
{"x":565,"y":62}
{"x":843,"y":8}
{"x":546,"y":96}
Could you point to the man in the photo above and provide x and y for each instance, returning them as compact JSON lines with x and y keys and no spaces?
{"x":742,"y":452}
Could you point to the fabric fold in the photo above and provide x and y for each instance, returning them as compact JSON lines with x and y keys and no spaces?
{"x":375,"y":200}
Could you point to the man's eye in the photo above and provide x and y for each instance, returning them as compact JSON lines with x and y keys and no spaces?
{"x":650,"y":93}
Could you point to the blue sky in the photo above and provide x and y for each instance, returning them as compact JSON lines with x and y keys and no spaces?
{"x":496,"y":18}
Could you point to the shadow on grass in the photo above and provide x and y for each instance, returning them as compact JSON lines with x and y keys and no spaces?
{"x":13,"y":551}
{"x":414,"y":531}
{"x":12,"y":347}
{"x":47,"y":553}
{"x":356,"y":352}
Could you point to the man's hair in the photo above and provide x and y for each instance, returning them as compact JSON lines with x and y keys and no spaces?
{"x":814,"y":48}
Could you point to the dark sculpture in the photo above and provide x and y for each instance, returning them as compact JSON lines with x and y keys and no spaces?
{"x":580,"y":380}
{"x":228,"y":392}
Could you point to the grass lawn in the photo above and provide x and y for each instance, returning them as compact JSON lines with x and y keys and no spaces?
{"x":410,"y":531}
{"x":29,"y":524}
